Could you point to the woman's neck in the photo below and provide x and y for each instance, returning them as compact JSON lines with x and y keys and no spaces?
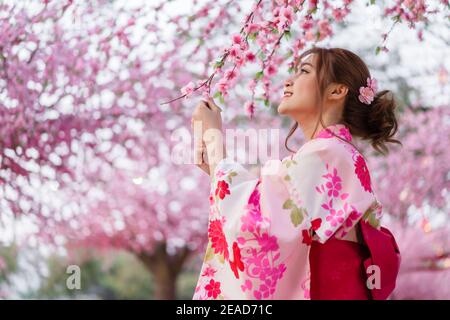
{"x":309,"y":127}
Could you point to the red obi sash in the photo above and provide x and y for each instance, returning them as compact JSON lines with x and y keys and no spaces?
{"x":339,"y":268}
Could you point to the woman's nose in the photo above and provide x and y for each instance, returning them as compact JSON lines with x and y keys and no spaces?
{"x":288,"y":83}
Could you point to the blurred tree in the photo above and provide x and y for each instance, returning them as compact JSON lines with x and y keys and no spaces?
{"x":116,"y":275}
{"x":425,"y":267}
{"x":8,"y":265}
{"x":86,"y":139}
{"x":104,"y":275}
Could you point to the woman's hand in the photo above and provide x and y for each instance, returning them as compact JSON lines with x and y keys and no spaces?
{"x":210,"y":146}
{"x":200,"y":157}
{"x":209,"y":114}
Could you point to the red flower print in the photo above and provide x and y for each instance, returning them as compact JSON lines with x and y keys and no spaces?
{"x":237,"y":262}
{"x":307,"y":233}
{"x":307,"y":239}
{"x":217,"y":237}
{"x":213,"y":288}
{"x":315,"y":224}
{"x":363,"y":173}
{"x":222,"y":189}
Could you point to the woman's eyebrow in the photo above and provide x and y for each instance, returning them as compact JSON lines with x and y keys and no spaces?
{"x":305,"y":63}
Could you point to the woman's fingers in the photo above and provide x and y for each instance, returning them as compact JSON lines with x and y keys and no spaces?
{"x":200,"y":110}
{"x":198,"y":156}
{"x":206,"y":104}
{"x":213,"y":105}
{"x":199,"y":150}
{"x":203,"y":107}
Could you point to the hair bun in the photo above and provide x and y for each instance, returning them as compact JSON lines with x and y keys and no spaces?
{"x":382,"y":120}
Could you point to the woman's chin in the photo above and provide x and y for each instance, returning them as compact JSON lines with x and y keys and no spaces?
{"x":282,"y":109}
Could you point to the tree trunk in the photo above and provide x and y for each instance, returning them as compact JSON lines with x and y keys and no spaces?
{"x":165,"y":269}
{"x":165,"y":282}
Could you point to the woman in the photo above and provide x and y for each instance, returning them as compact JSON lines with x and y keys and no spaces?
{"x":308,"y":226}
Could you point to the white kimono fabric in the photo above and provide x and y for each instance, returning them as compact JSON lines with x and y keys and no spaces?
{"x":260,"y":228}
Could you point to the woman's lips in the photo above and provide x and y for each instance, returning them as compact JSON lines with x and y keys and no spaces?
{"x":287,"y":94}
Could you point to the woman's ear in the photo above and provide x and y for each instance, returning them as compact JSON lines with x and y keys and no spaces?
{"x":337,"y":91}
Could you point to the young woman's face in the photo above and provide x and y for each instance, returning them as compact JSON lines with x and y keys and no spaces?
{"x":300,"y":97}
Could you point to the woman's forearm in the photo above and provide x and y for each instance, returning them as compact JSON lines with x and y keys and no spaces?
{"x":215,"y":148}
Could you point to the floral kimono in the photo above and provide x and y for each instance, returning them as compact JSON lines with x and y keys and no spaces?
{"x":261,"y":229}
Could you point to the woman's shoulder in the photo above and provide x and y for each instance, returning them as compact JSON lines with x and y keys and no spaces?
{"x":330,"y":147}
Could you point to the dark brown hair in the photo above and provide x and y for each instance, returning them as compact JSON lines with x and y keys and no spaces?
{"x":375,"y":122}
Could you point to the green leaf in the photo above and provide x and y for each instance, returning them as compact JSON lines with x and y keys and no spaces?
{"x":372,"y":1}
{"x":288,"y":54}
{"x":259,"y":75}
{"x":296,"y":216}
{"x":209,"y":253}
{"x":373,"y":221}
{"x":378,"y":50}
{"x":287,"y":177}
{"x":252,"y":36}
{"x":231,"y":175}
{"x":287,"y":34}
{"x":266,"y":102}
{"x":370,"y":216}
{"x":218,"y":64}
{"x":288,"y":204}
{"x":218,"y":95}
{"x":367,"y":214}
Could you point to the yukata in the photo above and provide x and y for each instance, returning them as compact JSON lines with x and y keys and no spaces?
{"x":261,"y":228}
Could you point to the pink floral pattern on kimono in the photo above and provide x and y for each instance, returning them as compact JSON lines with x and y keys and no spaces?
{"x":261,"y":228}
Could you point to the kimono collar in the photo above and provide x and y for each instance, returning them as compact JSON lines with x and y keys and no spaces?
{"x":339,"y":129}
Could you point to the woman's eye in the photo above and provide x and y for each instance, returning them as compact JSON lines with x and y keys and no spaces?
{"x":301,"y":71}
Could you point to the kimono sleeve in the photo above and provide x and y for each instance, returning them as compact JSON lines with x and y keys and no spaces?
{"x":234,"y":188}
{"x":252,"y":238}
{"x":329,"y":185}
{"x":231,"y":186}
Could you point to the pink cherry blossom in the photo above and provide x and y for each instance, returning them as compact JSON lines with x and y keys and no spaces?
{"x":188,"y":89}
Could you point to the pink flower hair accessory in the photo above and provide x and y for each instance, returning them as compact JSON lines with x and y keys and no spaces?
{"x":367,"y":93}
